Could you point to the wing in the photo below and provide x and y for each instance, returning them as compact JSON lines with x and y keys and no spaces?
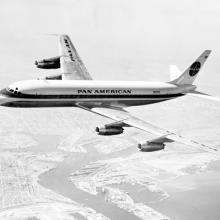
{"x":125,"y":119}
{"x":72,"y":67}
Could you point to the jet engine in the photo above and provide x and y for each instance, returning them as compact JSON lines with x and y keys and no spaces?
{"x":50,"y":63}
{"x":109,"y":130}
{"x":150,"y":146}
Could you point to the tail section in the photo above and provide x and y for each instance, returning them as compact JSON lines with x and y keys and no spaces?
{"x":189,"y":75}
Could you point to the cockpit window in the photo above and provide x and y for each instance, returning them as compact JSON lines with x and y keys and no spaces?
{"x":10,"y":90}
{"x":13,"y":91}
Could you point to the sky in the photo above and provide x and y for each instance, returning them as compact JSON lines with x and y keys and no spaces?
{"x":117,"y":39}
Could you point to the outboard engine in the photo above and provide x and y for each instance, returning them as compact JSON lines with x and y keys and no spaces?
{"x":51,"y":63}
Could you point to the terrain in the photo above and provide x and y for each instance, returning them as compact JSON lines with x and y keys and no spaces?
{"x":54,"y":166}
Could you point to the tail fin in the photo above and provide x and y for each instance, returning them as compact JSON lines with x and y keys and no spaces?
{"x":189,"y":75}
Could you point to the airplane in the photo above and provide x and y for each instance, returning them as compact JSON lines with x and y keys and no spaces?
{"x":74,"y":87}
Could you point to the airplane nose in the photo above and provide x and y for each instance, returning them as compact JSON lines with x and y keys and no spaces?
{"x":4,"y":97}
{"x":3,"y":100}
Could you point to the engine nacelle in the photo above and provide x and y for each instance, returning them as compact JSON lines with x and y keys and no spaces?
{"x":150,"y":146}
{"x":51,"y":63}
{"x":109,"y":130}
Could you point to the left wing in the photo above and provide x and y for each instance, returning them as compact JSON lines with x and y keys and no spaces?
{"x":123,"y":118}
{"x":72,"y":67}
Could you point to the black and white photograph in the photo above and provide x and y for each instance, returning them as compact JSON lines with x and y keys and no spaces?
{"x":109,"y":110}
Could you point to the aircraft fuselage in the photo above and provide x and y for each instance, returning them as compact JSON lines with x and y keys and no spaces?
{"x":62,"y":93}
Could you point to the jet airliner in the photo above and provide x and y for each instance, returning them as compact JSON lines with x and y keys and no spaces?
{"x":74,"y":87}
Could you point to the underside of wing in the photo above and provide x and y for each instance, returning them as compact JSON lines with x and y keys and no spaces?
{"x":123,"y":118}
{"x":72,"y":67}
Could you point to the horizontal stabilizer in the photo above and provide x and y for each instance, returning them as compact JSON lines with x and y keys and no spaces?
{"x":204,"y":96}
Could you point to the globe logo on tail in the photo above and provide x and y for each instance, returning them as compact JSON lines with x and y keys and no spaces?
{"x":194,"y":68}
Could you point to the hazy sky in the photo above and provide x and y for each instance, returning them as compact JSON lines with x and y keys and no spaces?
{"x":117,"y":39}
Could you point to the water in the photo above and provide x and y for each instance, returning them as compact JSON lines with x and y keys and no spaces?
{"x":141,"y":194}
{"x":78,"y":216}
{"x":200,"y":203}
{"x":57,"y":180}
{"x":46,"y":143}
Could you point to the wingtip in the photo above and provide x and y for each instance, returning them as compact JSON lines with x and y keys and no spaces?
{"x":208,"y":51}
{"x":56,"y":35}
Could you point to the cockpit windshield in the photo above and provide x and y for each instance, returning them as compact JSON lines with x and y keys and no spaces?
{"x":13,"y":91}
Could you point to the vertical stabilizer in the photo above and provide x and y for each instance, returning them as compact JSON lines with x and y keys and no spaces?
{"x":189,"y":75}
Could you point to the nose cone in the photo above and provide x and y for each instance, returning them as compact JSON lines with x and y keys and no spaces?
{"x":4,"y":98}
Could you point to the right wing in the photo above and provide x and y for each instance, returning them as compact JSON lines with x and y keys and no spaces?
{"x":72,"y":67}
